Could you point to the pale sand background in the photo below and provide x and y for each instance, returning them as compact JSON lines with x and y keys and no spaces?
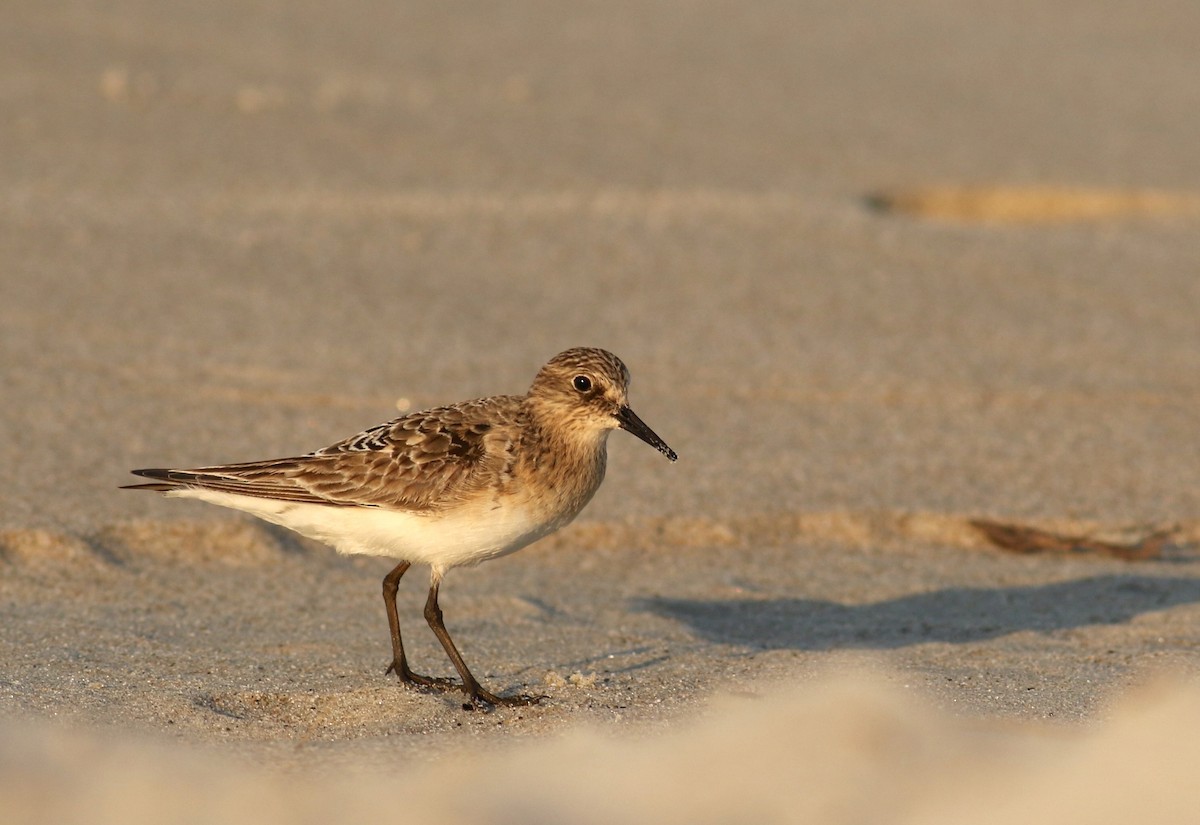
{"x":240,"y":230}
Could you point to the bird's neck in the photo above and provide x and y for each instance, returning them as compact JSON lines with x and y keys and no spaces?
{"x":573,"y":459}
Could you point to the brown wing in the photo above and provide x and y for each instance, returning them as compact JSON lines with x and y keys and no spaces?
{"x":424,"y":461}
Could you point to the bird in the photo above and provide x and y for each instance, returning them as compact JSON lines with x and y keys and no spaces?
{"x":447,"y":487}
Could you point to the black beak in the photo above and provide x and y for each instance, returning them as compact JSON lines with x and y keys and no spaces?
{"x":631,"y":423}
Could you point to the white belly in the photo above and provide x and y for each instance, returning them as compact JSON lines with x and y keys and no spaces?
{"x":464,"y":535}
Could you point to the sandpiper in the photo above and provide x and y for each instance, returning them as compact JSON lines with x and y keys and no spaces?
{"x":448,"y":486}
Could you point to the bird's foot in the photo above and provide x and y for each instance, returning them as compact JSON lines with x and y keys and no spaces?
{"x":408,"y":677}
{"x":486,"y":700}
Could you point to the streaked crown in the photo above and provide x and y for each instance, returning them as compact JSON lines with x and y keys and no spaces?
{"x":585,"y":379}
{"x":584,"y":392}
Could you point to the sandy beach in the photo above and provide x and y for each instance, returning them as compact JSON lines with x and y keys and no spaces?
{"x":884,"y":275}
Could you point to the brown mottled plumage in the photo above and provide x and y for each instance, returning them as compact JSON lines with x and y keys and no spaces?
{"x":447,"y":486}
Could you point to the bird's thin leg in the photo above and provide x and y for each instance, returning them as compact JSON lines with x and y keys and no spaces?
{"x":474,"y":692}
{"x":399,"y":664}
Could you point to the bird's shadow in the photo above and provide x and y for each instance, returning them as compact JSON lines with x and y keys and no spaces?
{"x":954,"y":614}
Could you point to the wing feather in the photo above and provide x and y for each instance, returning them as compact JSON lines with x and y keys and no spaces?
{"x":425,"y":461}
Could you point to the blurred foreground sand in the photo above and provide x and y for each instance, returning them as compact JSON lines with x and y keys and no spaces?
{"x":844,"y":749}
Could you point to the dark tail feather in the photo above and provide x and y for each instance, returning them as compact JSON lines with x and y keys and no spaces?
{"x":162,"y":485}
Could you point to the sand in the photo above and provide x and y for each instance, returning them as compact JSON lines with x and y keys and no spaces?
{"x":879,"y":270}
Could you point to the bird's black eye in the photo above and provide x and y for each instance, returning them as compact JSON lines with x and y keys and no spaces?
{"x":582,"y":383}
